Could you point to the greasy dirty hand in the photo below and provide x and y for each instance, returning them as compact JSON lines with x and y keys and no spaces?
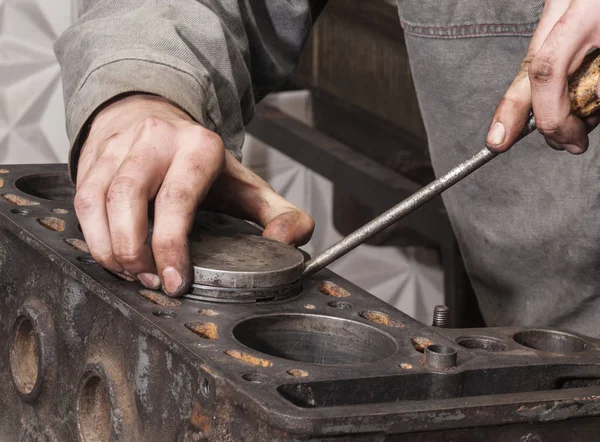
{"x":567,"y":31}
{"x":143,"y":148}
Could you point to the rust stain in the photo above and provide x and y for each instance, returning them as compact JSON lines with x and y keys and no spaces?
{"x":297,"y":372}
{"x":406,"y":366}
{"x":206,"y":330}
{"x":3,"y":170}
{"x":1,"y":182}
{"x":309,"y":306}
{"x":78,"y":244}
{"x":330,"y":289}
{"x":159,"y":299}
{"x":19,"y":200}
{"x":52,"y":223}
{"x":25,"y":357}
{"x":420,"y":343}
{"x":199,"y":420}
{"x":561,"y":409}
{"x":60,"y":211}
{"x":207,"y":312}
{"x":381,"y":318}
{"x":248,"y":359}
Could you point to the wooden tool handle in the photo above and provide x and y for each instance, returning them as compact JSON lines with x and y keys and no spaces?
{"x":583,"y":86}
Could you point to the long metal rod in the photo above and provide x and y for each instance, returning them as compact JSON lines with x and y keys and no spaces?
{"x":404,"y":208}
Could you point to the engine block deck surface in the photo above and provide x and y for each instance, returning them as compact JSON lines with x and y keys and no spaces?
{"x":89,"y":357}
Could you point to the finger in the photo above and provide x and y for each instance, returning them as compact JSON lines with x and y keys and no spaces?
{"x":136,"y":181}
{"x":87,"y":156}
{"x":90,"y":207}
{"x":591,"y":122}
{"x":554,"y":145}
{"x":242,"y":193}
{"x":192,"y":172}
{"x":510,"y":116}
{"x":553,"y":11}
{"x":513,"y":110}
{"x":563,"y":50}
{"x":294,"y":227}
{"x":116,"y":145}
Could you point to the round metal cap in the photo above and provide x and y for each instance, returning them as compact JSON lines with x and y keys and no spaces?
{"x":244,"y":262}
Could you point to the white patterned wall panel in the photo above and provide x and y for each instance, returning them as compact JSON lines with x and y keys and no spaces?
{"x":410,"y":279}
{"x":32,"y":124}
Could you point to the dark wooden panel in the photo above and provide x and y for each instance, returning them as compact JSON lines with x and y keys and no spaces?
{"x":357,"y":53}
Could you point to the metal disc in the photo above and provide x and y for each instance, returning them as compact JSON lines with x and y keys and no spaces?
{"x":244,"y":262}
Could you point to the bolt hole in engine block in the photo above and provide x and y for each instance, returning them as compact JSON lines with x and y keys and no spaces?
{"x":25,"y":355}
{"x":296,"y":372}
{"x":52,"y":223}
{"x":159,"y":298}
{"x":18,"y":200}
{"x":484,"y":343}
{"x":205,"y":388}
{"x":78,"y":244}
{"x":316,"y":339}
{"x":93,"y":409}
{"x":86,"y":259}
{"x":332,"y":289}
{"x":381,"y":318}
{"x":340,"y":305}
{"x":206,"y":330}
{"x":23,"y":212}
{"x":168,"y":314}
{"x":255,"y":378}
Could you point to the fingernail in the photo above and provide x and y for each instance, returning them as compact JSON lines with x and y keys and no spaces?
{"x":150,"y":280}
{"x":496,"y":134}
{"x":171,"y":280}
{"x":573,"y":148}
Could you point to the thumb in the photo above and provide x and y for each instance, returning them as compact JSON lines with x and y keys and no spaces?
{"x":294,"y":227}
{"x":241,"y":193}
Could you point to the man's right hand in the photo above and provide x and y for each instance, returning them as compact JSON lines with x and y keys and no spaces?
{"x":143,"y":148}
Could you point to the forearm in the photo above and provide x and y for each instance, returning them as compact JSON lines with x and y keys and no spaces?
{"x":214,"y":59}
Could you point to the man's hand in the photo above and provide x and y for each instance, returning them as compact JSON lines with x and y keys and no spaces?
{"x":143,"y":148}
{"x":567,"y":31}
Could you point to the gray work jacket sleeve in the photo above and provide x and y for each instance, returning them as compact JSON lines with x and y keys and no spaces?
{"x":213,"y":58}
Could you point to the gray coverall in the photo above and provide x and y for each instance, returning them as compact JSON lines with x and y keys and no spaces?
{"x":528,"y":224}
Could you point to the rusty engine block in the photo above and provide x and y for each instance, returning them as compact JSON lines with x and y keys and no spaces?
{"x":89,"y":357}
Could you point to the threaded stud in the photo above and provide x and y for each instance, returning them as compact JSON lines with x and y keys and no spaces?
{"x":440,"y":315}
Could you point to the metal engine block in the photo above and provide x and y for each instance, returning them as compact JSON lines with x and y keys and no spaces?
{"x":89,"y":357}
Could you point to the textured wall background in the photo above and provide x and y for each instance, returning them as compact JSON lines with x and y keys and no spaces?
{"x":31,"y":115}
{"x":32,"y":131}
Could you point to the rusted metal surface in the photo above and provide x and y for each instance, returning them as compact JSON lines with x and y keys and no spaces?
{"x":88,"y":356}
{"x":381,"y":318}
{"x":331,"y":289}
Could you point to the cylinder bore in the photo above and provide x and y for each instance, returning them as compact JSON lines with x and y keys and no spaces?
{"x":552,"y":341}
{"x":93,"y":409}
{"x":25,"y":356}
{"x":315,"y":338}
{"x":54,"y":186}
{"x":484,"y":343}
